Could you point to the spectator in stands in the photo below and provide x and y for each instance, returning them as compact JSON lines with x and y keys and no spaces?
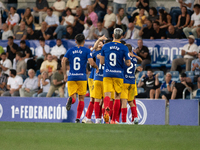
{"x":139,"y":19}
{"x":72,"y":4}
{"x":196,"y":2}
{"x":29,"y":86}
{"x":164,"y":19}
{"x":21,"y":33}
{"x":100,"y":7}
{"x":88,"y":32}
{"x":3,"y":81}
{"x":14,"y":84}
{"x":132,"y":32}
{"x":143,"y":52}
{"x":147,"y":32}
{"x":109,"y":20}
{"x":70,"y":35}
{"x":49,"y":65}
{"x":11,"y":49}
{"x":58,"y":7}
{"x":40,"y":9}
{"x":57,"y":82}
{"x":117,"y":4}
{"x":91,"y":15}
{"x":25,"y":50}
{"x":51,"y":19}
{"x":172,"y":33}
{"x":27,"y":17}
{"x":189,"y":51}
{"x":100,"y":31}
{"x":195,"y":66}
{"x":150,"y":83}
{"x":6,"y":32}
{"x":21,"y":65}
{"x":43,"y":85}
{"x":12,"y":3}
{"x":121,"y":20}
{"x":176,"y":11}
{"x":2,"y":10}
{"x":194,"y":23}
{"x":79,"y":21}
{"x":68,"y":20}
{"x":58,"y":49}
{"x":13,"y":18}
{"x":178,"y":88}
{"x":165,"y":91}
{"x":158,"y":33}
{"x":84,"y":4}
{"x":5,"y":64}
{"x":153,"y":14}
{"x":45,"y":32}
{"x":183,"y":20}
{"x":31,"y":34}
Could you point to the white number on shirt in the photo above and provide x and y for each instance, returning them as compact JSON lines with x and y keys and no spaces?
{"x":129,"y":68}
{"x":113,"y":59}
{"x":77,"y":64}
{"x":101,"y":67}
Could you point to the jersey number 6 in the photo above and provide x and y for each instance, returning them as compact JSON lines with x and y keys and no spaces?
{"x":77,"y":64}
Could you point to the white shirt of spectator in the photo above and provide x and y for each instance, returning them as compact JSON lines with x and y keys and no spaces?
{"x":8,"y":64}
{"x":59,"y":5}
{"x":85,"y":3}
{"x":31,"y":83}
{"x":109,"y":19}
{"x":123,"y":21}
{"x":196,"y":19}
{"x":187,"y":2}
{"x":57,"y":51}
{"x":190,"y":48}
{"x":6,"y":34}
{"x":120,"y":1}
{"x":51,"y":20}
{"x":13,"y":19}
{"x":46,"y":87}
{"x":72,"y":4}
{"x":39,"y":50}
{"x":15,"y":82}
{"x":70,"y":19}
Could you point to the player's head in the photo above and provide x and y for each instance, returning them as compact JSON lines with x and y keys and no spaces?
{"x":129,"y":47}
{"x":123,"y":42}
{"x":118,"y":33}
{"x":150,"y":73}
{"x":107,"y":41}
{"x":80,"y":39}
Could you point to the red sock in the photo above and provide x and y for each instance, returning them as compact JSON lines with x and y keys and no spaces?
{"x":116,"y":109}
{"x":103,"y":111}
{"x":117,"y":119}
{"x":134,"y":110}
{"x":111,"y":109}
{"x":90,"y":110}
{"x":100,"y":112}
{"x":96,"y":109}
{"x":124,"y":113}
{"x":73,"y":101}
{"x":106,"y":102}
{"x":80,"y":109}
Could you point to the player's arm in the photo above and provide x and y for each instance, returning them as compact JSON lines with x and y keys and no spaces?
{"x":97,"y":42}
{"x":64,"y":60}
{"x":102,"y":60}
{"x":128,"y":62}
{"x":93,"y":64}
{"x":139,"y":58}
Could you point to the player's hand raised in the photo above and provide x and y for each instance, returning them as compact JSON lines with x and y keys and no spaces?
{"x":103,"y":38}
{"x":97,"y":70}
{"x":139,"y":68}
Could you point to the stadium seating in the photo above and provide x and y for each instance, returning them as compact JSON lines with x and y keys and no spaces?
{"x":131,"y":9}
{"x":140,"y":75}
{"x":140,"y":90}
{"x":175,"y":75}
{"x":198,"y":94}
{"x":160,"y":75}
{"x":162,"y":60}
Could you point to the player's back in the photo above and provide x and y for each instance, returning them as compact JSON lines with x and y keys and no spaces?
{"x":114,"y":54}
{"x":78,"y":57}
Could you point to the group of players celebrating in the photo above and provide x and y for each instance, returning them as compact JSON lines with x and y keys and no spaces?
{"x":112,"y":79}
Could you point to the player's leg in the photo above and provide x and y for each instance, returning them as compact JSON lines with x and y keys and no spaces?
{"x":124,"y":110}
{"x":72,"y":90}
{"x":89,"y":112}
{"x":97,"y":108}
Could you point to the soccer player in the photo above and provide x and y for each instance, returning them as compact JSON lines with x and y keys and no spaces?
{"x":130,"y":87}
{"x":113,"y":55}
{"x":77,"y":80}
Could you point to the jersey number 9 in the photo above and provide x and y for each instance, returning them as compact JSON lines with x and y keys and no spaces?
{"x":113,"y":59}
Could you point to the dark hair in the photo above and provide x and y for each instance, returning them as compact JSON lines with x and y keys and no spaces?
{"x":10,"y":37}
{"x":123,"y":42}
{"x":148,"y":20}
{"x":30,"y":27}
{"x":197,"y":5}
{"x":68,"y":9}
{"x":3,"y":53}
{"x":61,"y":56}
{"x":13,"y":71}
{"x":99,"y":22}
{"x":0,"y":69}
{"x":48,"y":54}
{"x":129,"y":47}
{"x":58,"y":40}
{"x":89,"y":22}
{"x":150,"y":70}
{"x":13,"y":8}
{"x":59,"y":66}
{"x":50,"y":9}
{"x":42,"y":39}
{"x":80,"y":38}
{"x":69,"y":26}
{"x":120,"y":9}
{"x":19,"y":54}
{"x":22,"y":42}
{"x":186,"y":10}
{"x":155,"y":12}
{"x":156,"y":22}
{"x":108,"y":41}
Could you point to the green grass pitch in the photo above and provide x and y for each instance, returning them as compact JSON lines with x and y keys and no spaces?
{"x":70,"y":136}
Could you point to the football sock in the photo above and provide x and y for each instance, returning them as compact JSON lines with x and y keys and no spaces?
{"x":124,"y":113}
{"x":117,"y":119}
{"x":111,"y":108}
{"x":96,"y":110}
{"x":80,"y":109}
{"x":90,"y":110}
{"x":73,"y":100}
{"x":116,"y":109}
{"x":106,"y":102}
{"x":135,"y":109}
{"x":100,"y":112}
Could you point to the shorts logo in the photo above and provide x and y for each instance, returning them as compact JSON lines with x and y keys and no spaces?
{"x":1,"y":110}
{"x":141,"y":110}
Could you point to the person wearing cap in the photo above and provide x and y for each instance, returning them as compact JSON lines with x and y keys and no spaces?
{"x":195,"y":66}
{"x":189,"y":52}
{"x":109,"y":20}
{"x":195,"y":22}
